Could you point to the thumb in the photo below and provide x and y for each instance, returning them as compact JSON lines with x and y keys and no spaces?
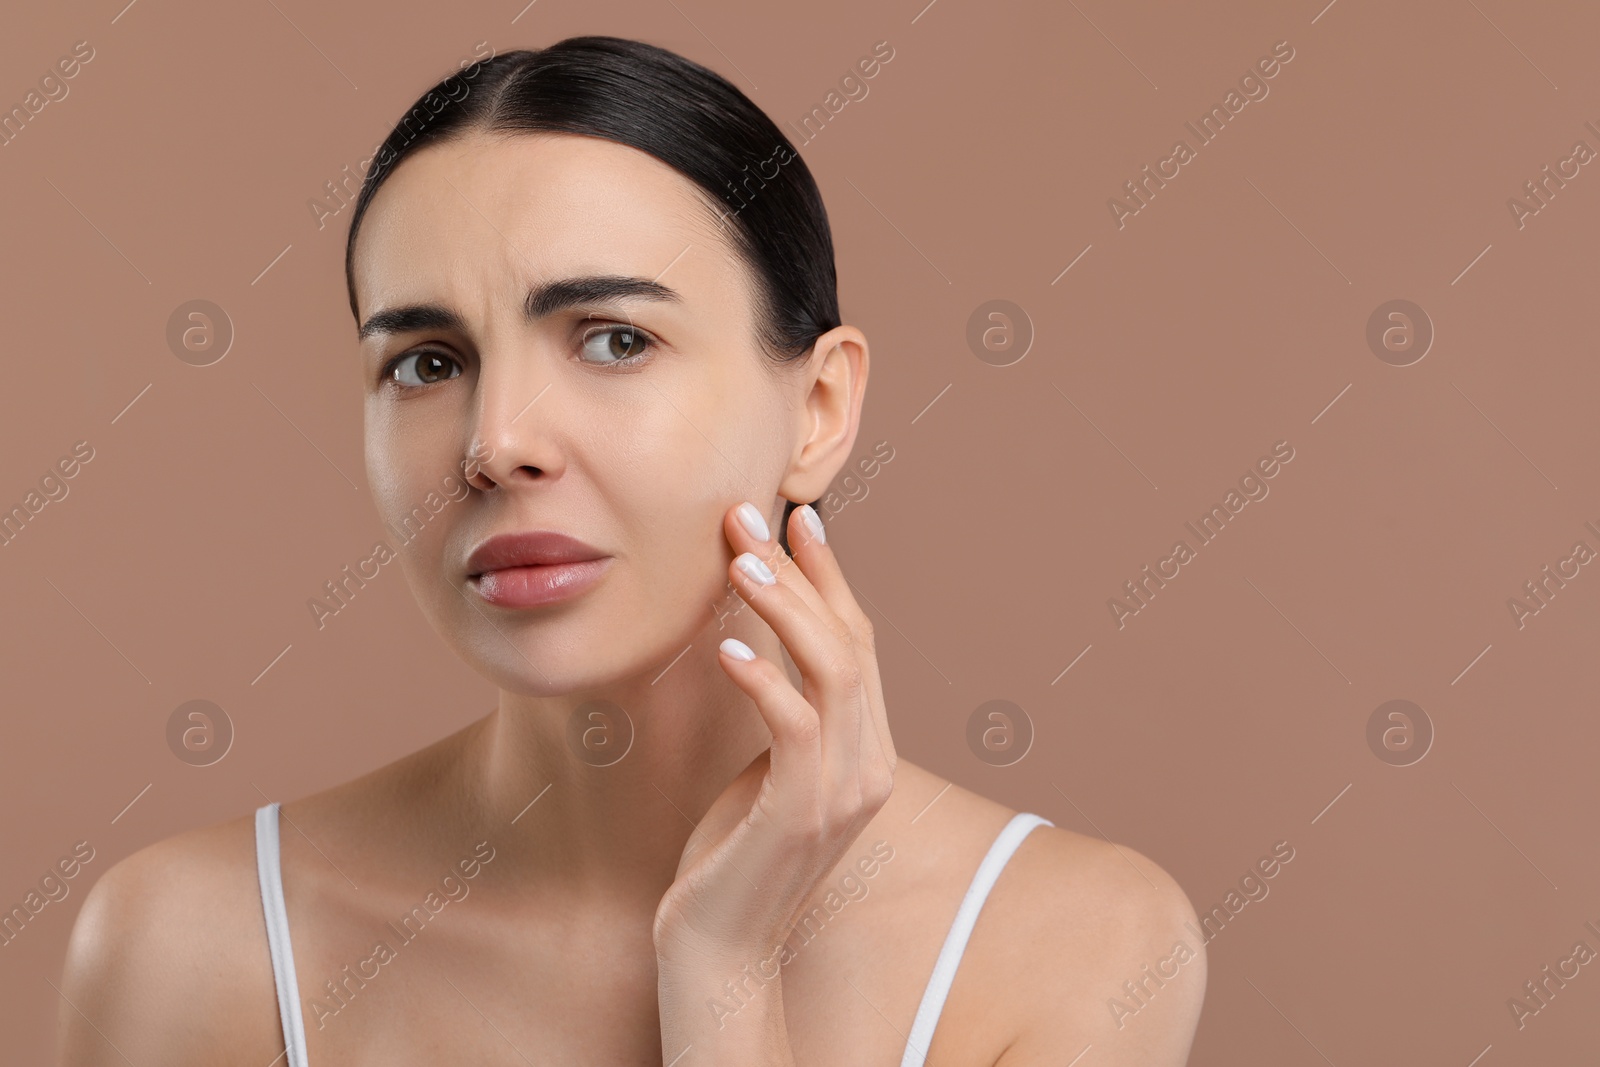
{"x":730,"y":809}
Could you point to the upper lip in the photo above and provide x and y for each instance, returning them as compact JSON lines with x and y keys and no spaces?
{"x":528,"y":549}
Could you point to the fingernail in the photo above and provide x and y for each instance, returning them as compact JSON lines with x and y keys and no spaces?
{"x":808,"y":515}
{"x":752,"y":566}
{"x":737,"y":649}
{"x":752,"y":521}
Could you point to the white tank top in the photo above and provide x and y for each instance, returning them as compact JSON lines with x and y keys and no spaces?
{"x":270,"y":873}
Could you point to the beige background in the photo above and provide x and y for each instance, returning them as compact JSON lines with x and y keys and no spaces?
{"x":1230,"y":313}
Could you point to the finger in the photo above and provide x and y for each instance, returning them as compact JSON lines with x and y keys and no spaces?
{"x":747,"y":531}
{"x":828,"y":669}
{"x":816,"y":560}
{"x":796,"y":728}
{"x":795,"y":787}
{"x":863,"y":730}
{"x":832,"y":680}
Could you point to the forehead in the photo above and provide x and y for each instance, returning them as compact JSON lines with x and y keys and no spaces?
{"x":493,"y":212}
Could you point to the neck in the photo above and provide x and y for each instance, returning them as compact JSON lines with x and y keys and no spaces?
{"x":593,"y":795}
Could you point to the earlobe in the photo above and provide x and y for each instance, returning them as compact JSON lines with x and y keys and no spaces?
{"x":830,"y":415}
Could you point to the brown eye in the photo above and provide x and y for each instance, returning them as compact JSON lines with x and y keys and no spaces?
{"x":616,"y":344}
{"x":429,"y":367}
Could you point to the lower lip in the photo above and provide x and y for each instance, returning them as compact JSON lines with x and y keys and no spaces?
{"x":532,"y":587}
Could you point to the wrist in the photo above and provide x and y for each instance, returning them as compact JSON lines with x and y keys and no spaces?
{"x":729,"y":1013}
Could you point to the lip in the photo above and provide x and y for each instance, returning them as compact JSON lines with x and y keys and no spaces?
{"x":533,"y":568}
{"x":532,"y":548}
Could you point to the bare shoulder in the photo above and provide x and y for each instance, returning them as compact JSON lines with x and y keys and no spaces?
{"x":1070,"y":922}
{"x":1105,"y":954}
{"x":168,"y":961}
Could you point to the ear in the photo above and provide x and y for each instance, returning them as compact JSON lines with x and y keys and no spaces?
{"x":829,"y":417}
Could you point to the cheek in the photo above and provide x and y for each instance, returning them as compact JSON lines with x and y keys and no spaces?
{"x":675,"y":478}
{"x":667,"y":479}
{"x":676,"y":452}
{"x":386,"y":458}
{"x":410,"y":477}
{"x":406,"y":457}
{"x":398,"y":484}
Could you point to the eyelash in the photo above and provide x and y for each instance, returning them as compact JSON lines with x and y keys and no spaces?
{"x":651,"y":341}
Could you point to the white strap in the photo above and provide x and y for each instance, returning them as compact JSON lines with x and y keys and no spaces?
{"x":271,"y":876}
{"x":955,"y":943}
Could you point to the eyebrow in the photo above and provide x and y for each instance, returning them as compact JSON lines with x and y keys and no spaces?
{"x":542,"y":301}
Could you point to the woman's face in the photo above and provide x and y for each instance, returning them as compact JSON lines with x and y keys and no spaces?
{"x":634,"y":441}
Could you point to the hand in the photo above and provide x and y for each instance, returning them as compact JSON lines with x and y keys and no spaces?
{"x":777,"y":831}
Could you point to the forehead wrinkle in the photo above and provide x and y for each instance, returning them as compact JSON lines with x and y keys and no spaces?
{"x":691,"y":219}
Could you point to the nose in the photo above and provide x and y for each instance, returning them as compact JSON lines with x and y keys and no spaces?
{"x":512,"y":436}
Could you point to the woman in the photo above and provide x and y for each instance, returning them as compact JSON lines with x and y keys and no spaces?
{"x":599,"y":282}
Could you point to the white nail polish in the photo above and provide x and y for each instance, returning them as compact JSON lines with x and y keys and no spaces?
{"x":813,"y":521}
{"x":737,"y":649}
{"x":751,"y":564}
{"x":752,"y":521}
